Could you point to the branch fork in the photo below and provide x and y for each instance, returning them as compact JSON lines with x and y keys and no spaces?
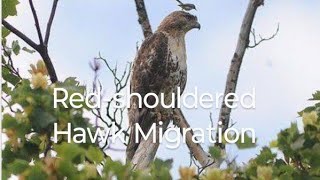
{"x":42,"y":47}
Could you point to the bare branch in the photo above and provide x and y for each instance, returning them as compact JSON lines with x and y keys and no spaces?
{"x":9,"y":65}
{"x":36,"y":21}
{"x":8,"y":104}
{"x":112,"y":115}
{"x":235,"y":66}
{"x":147,"y":149}
{"x":143,"y":18}
{"x":197,"y":151}
{"x":50,"y":21}
{"x":20,"y":35}
{"x":256,"y":43}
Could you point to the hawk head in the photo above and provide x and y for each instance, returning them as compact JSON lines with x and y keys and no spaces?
{"x":179,"y":22}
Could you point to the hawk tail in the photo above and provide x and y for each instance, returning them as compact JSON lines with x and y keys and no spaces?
{"x":132,"y":145}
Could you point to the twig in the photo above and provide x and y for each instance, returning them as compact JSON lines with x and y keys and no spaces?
{"x":9,"y":65}
{"x":256,"y":43}
{"x":49,"y":24}
{"x":232,"y":161}
{"x":36,"y":21}
{"x":10,"y":107}
{"x":116,"y":149}
{"x":113,"y":116}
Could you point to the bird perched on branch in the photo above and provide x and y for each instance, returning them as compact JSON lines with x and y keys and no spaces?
{"x":186,"y":6}
{"x":159,"y":67}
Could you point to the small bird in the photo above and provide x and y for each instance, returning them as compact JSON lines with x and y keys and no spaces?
{"x":186,"y":6}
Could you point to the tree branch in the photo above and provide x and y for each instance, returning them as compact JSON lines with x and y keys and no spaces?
{"x":143,"y":18}
{"x":40,"y":48}
{"x":36,"y":21}
{"x":147,"y":149}
{"x":233,"y":74}
{"x":113,"y":116}
{"x":47,"y":60}
{"x":196,"y":150}
{"x":256,"y":43}
{"x":50,"y":21}
{"x":20,"y":35}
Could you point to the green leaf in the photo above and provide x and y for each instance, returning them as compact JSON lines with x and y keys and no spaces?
{"x":31,"y":51}
{"x":9,"y":77}
{"x":215,"y":152}
{"x":273,"y":144}
{"x":69,"y":151}
{"x":158,"y":163}
{"x":37,"y":173}
{"x":15,"y":47}
{"x":5,"y":174}
{"x":18,"y":166}
{"x":161,"y":169}
{"x":247,"y":142}
{"x":5,"y":88}
{"x":9,"y":8}
{"x":41,"y":119}
{"x":316,"y":96}
{"x":297,"y":144}
{"x":9,"y":122}
{"x":307,"y":110}
{"x":67,"y":169}
{"x":90,"y":171}
{"x":94,"y":154}
{"x":5,"y":32}
{"x":265,"y":156}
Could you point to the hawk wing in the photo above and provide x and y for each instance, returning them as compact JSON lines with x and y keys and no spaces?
{"x":148,"y":75}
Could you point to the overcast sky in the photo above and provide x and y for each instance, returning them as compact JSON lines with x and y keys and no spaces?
{"x":284,"y":71}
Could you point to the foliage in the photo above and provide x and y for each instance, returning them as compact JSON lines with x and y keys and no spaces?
{"x":296,"y":154}
{"x":30,"y":154}
{"x":29,"y":131}
{"x":9,"y":8}
{"x":29,"y":126}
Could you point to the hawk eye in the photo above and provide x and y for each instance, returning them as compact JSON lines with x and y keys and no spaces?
{"x":191,"y":17}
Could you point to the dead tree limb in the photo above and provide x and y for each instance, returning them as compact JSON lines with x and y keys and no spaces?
{"x":147,"y":149}
{"x":196,"y":150}
{"x":233,"y":74}
{"x":42,"y":47}
{"x":143,"y":18}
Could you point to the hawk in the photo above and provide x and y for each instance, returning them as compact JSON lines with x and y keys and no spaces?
{"x":159,"y":67}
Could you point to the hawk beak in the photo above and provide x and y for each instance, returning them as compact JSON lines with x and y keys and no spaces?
{"x":197,"y":25}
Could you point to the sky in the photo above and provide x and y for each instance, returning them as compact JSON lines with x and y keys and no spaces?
{"x":284,"y":71}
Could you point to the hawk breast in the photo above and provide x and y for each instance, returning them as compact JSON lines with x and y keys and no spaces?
{"x":177,"y":62}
